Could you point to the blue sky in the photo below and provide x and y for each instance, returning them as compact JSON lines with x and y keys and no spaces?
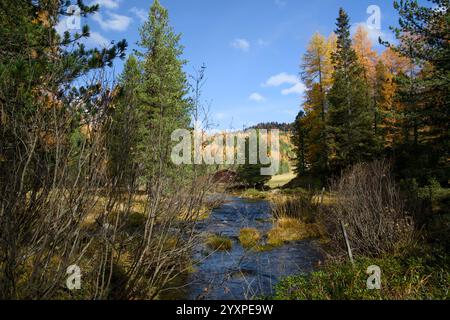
{"x":252,"y":48}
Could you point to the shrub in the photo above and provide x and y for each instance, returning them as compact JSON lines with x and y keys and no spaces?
{"x":369,"y":203}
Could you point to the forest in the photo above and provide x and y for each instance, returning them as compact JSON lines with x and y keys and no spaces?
{"x":93,"y":207}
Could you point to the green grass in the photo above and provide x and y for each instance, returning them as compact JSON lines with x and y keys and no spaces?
{"x":219,"y":243}
{"x":254,"y":194}
{"x":281,"y":180}
{"x":420,"y":275}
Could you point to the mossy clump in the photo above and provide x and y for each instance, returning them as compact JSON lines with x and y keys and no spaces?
{"x":249,"y":237}
{"x":219,"y":243}
{"x":288,"y":230}
{"x":254,"y":194}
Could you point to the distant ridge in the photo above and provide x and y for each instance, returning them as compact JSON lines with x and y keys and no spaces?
{"x":273,"y":125}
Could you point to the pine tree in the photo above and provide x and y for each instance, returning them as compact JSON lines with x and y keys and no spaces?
{"x":350,"y":132}
{"x":248,"y":174}
{"x":123,"y":135}
{"x":424,"y":37}
{"x":411,"y":96}
{"x":37,"y":72}
{"x":163,"y":106}
{"x":40,"y":110}
{"x":299,"y":135}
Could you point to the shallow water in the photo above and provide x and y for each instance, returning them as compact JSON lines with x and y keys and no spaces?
{"x":243,"y":274}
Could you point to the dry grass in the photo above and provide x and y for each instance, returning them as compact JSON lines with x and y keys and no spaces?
{"x":289,"y":229}
{"x":303,"y":207}
{"x":249,"y":237}
{"x":253,"y":194}
{"x":219,"y":243}
{"x":202,"y":213}
{"x":295,"y":219}
{"x":137,"y":208}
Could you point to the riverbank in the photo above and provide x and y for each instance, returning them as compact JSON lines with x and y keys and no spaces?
{"x":420,"y":273}
{"x":418,"y":269}
{"x":402,"y":234}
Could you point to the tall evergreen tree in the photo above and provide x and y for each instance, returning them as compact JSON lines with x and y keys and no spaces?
{"x":248,"y":174}
{"x":123,"y":134}
{"x":350,"y":125}
{"x":300,"y":133}
{"x":163,"y":106}
{"x":424,"y":37}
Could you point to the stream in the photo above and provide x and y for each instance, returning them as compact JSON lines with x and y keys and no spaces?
{"x":241,"y":274}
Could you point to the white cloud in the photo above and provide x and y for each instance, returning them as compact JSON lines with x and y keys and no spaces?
{"x":257,"y":97}
{"x":241,"y":44}
{"x":280,"y":79}
{"x":116,"y":22}
{"x":96,"y":39}
{"x":140,"y":13}
{"x":296,"y":86}
{"x":109,"y":4}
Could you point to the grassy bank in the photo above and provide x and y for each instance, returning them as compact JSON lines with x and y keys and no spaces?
{"x":419,"y":274}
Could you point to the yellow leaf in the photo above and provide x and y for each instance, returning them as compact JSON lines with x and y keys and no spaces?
{"x":43,"y":18}
{"x":34,"y":54}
